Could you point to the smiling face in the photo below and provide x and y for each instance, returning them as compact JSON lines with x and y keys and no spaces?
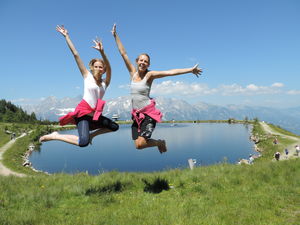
{"x":97,"y":67}
{"x":143,"y":62}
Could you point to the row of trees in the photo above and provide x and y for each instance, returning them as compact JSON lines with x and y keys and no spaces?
{"x":12,"y":113}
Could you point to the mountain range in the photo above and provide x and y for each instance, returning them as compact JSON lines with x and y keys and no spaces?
{"x":51,"y":108}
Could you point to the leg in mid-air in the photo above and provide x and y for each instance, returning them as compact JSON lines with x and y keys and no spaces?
{"x":142,"y":135}
{"x":102,"y":126}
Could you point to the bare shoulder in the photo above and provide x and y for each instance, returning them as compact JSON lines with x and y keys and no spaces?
{"x":153,"y":74}
{"x":132,"y":72}
{"x":150,"y":76}
{"x":86,"y":74}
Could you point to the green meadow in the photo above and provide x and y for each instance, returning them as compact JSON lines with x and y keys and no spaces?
{"x":267,"y":192}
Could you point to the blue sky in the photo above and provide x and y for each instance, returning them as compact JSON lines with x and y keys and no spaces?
{"x":249,"y":50}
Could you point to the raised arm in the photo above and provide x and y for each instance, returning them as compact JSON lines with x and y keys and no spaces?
{"x":159,"y":74}
{"x":80,"y":64}
{"x":99,"y":46}
{"x":122,"y":51}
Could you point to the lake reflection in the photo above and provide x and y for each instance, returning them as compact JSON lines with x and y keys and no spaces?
{"x":207,"y":143}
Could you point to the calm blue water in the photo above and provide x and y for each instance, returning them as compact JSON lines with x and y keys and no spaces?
{"x":207,"y":143}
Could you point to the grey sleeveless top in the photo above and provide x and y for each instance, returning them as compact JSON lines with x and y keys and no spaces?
{"x":140,"y":93}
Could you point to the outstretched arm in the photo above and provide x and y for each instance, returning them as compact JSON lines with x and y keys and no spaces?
{"x":159,"y":74}
{"x":122,"y":51}
{"x":99,"y":46}
{"x":80,"y":64}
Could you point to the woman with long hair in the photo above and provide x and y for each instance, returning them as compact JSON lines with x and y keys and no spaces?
{"x":144,"y":113}
{"x":88,"y":114}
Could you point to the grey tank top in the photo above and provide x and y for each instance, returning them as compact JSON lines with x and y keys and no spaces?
{"x":139,"y":93}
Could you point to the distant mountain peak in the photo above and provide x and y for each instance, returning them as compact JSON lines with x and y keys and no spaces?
{"x":52,"y":108}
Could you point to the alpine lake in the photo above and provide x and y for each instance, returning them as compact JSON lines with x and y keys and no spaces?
{"x":204,"y":143}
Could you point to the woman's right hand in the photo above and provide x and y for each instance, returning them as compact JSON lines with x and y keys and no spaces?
{"x":197,"y":71}
{"x":61,"y":29}
{"x":114,"y":30}
{"x":98,"y":44}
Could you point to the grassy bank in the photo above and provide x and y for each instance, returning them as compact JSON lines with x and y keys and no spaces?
{"x":266,"y":145}
{"x":282,"y":131}
{"x":4,"y":137}
{"x":264,"y":193}
{"x":267,"y":193}
{"x":7,"y":128}
{"x":12,"y":158}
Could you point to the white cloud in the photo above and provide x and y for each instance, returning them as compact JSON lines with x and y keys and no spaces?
{"x":293,"y":92}
{"x":181,"y":88}
{"x":200,"y":89}
{"x":251,"y":89}
{"x":279,"y":85}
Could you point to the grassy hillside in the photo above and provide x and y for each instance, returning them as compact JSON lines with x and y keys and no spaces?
{"x":266,"y":192}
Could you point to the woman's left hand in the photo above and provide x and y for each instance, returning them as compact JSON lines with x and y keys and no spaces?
{"x":197,"y":71}
{"x":98,"y":44}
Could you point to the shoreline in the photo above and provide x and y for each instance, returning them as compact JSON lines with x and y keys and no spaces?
{"x":291,"y":147}
{"x":4,"y":171}
{"x":253,"y":137}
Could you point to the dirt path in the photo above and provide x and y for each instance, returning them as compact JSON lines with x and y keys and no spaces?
{"x":291,"y":148}
{"x":4,"y":171}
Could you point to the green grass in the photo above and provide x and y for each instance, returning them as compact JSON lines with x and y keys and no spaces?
{"x":4,"y":137}
{"x":12,"y":158}
{"x":266,"y":145}
{"x":263,"y":193}
{"x":282,"y":131}
{"x":267,"y":193}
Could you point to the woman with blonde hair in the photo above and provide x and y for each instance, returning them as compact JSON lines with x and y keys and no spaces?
{"x":88,"y":113}
{"x":144,"y":113}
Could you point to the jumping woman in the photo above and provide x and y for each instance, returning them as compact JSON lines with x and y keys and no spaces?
{"x":144,"y":113}
{"x":87,"y":115}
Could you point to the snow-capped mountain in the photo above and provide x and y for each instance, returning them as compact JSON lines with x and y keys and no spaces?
{"x":52,"y":108}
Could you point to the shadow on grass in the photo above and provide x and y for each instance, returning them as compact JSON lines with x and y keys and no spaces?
{"x":157,"y":186}
{"x":111,"y":188}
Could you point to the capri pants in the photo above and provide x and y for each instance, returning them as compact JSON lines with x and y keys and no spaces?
{"x":86,"y":123}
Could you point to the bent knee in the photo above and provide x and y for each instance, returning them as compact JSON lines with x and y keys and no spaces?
{"x":139,"y":144}
{"x":83,"y":142}
{"x":114,"y":127}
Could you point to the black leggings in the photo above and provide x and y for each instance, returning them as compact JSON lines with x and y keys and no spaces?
{"x":86,"y":123}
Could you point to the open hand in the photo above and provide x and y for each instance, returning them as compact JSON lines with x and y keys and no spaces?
{"x":98,"y":44}
{"x":197,"y":71}
{"x":61,"y":29}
